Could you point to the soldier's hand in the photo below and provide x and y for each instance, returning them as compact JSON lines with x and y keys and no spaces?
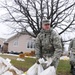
{"x":40,"y":60}
{"x":37,"y":61}
{"x":52,"y":64}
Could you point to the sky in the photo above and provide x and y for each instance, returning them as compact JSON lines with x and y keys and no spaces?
{"x":4,"y":31}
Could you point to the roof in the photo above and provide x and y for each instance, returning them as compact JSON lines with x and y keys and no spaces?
{"x":2,"y":39}
{"x":16,"y":35}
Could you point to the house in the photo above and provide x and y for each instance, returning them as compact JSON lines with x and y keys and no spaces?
{"x":21,"y":43}
{"x":4,"y":48}
{"x":1,"y":43}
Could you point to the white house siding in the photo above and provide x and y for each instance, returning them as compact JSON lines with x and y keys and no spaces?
{"x":1,"y":42}
{"x":22,"y":44}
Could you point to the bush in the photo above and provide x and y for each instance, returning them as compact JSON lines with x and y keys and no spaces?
{"x":21,"y":55}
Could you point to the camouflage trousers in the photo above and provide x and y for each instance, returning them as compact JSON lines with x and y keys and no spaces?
{"x":72,"y":59}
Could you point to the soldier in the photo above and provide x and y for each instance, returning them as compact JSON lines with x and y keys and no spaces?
{"x":48,"y":43}
{"x":71,"y":50}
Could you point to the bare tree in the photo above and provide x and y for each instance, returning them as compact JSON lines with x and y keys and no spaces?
{"x":26,"y":15}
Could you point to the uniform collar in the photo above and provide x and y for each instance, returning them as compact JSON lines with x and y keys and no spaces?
{"x":46,"y":31}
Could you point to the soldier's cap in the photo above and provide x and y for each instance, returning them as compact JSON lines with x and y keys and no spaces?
{"x":44,"y":22}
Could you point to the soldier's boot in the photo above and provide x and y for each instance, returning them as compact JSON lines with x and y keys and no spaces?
{"x":71,"y":70}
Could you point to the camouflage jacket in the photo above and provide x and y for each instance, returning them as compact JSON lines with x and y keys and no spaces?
{"x":71,"y":50}
{"x":72,"y":46}
{"x":49,"y":42}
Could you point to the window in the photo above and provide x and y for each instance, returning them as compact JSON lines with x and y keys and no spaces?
{"x":31,"y":44}
{"x":15,"y":43}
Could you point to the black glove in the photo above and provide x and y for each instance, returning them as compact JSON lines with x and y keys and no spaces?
{"x":52,"y":64}
{"x":37,"y":61}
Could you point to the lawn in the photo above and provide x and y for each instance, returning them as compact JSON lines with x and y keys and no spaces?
{"x":22,"y":65}
{"x":63,"y":67}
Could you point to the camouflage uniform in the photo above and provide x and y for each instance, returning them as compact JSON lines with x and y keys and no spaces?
{"x":51,"y":45}
{"x":72,"y":53}
{"x":72,"y":45}
{"x":72,"y":50}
